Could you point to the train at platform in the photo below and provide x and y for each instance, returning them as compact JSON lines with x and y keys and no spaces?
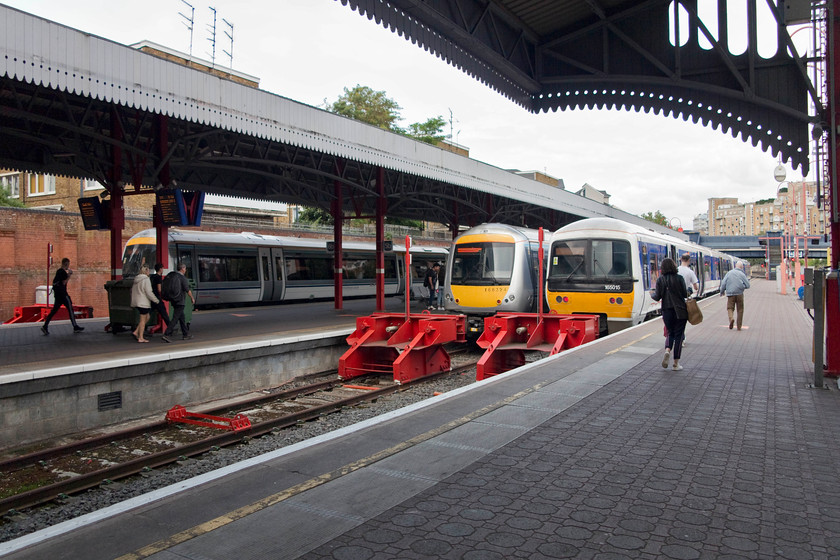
{"x":492,"y":267}
{"x":250,"y":268}
{"x":595,"y":266}
{"x":607,"y":267}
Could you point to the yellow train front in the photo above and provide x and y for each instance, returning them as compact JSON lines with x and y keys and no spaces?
{"x":492,"y":267}
{"x":606,"y":267}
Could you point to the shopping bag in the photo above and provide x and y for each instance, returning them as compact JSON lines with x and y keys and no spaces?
{"x":695,"y":316}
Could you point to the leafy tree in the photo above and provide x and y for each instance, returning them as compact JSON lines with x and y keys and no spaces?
{"x":373,"y":107}
{"x":315,"y":216}
{"x":364,"y":104}
{"x":7,"y":200}
{"x":657,"y":218}
{"x":429,"y":132}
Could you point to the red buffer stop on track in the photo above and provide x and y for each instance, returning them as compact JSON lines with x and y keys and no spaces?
{"x":180,"y":414}
{"x":506,"y":336}
{"x":408,"y":345}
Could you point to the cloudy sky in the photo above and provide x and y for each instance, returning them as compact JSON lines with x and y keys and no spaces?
{"x":310,"y":50}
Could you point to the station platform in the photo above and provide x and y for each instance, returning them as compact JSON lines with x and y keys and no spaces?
{"x":24,"y":348}
{"x":597,"y":452}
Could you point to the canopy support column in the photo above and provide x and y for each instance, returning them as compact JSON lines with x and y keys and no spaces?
{"x":380,"y":239}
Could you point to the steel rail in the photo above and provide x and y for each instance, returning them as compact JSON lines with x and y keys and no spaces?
{"x":39,"y":496}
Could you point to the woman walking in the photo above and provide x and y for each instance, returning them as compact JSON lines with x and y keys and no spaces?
{"x":142,"y":298}
{"x":670,"y":290}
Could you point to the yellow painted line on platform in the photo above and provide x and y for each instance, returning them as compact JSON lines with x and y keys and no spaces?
{"x":620,"y":348}
{"x":275,"y":499}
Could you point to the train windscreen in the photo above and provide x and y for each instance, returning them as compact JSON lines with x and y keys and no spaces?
{"x":136,"y":255}
{"x":589,"y":261}
{"x":482,"y":264}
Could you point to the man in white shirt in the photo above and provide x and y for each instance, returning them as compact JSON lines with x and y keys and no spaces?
{"x":691,"y":281}
{"x":692,"y":284}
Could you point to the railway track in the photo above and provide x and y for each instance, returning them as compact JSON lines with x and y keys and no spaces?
{"x":41,"y":477}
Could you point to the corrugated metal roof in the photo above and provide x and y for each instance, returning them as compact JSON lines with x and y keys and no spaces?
{"x":563,"y":54}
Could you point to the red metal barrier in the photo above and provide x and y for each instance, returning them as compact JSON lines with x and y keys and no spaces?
{"x":179,"y":414}
{"x":38,"y":312}
{"x":409,"y":346}
{"x":506,"y":336}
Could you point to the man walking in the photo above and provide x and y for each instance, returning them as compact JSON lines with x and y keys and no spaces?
{"x":178,"y":301}
{"x":157,"y":279}
{"x":59,"y":289}
{"x":732,"y":286}
{"x":692,"y":284}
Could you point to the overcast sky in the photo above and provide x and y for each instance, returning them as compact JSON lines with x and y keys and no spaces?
{"x":309,"y":50}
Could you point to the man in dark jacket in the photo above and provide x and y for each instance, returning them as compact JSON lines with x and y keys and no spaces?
{"x":61,"y":297}
{"x":156,"y":280}
{"x":179,"y":303}
{"x":430,"y":281}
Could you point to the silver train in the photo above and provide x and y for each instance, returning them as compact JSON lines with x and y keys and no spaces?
{"x":607,"y":267}
{"x":245,"y":268}
{"x":492,"y":267}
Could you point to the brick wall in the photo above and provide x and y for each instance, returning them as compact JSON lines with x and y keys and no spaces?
{"x":24,"y":235}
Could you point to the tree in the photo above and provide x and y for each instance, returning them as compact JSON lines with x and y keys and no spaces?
{"x":315,"y":216}
{"x":429,"y":132}
{"x":364,"y":104}
{"x":373,"y":107}
{"x":657,"y":218}
{"x":7,"y":200}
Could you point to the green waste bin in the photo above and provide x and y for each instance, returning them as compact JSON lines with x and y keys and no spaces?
{"x":120,"y":312}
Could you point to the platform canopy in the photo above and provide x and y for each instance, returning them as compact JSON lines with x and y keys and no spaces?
{"x":573,"y":54}
{"x":75,"y":104}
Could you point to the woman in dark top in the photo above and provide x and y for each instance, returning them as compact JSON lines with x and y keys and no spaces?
{"x":670,"y":290}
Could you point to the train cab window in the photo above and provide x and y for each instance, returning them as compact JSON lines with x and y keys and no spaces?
{"x":610,"y":258}
{"x":567,"y":258}
{"x":482,"y":263}
{"x":590,"y":259}
{"x":135,"y":256}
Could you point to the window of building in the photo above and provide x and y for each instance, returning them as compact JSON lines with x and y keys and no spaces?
{"x":91,"y":185}
{"x":40,"y":185}
{"x":11,"y":182}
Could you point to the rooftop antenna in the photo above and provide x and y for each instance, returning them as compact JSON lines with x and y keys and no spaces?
{"x":452,"y":121}
{"x":189,"y":22}
{"x":229,"y":36}
{"x":212,"y":37}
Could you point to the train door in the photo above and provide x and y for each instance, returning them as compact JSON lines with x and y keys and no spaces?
{"x":267,"y":275}
{"x":184,"y":255}
{"x":271,"y":274}
{"x":701,"y":276}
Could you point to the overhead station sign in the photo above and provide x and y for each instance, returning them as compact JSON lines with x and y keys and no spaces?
{"x":93,"y":213}
{"x":178,"y":208}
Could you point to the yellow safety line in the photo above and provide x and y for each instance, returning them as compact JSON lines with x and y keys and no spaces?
{"x":620,"y":348}
{"x":274,"y":499}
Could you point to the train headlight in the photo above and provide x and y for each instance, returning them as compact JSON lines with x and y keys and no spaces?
{"x":511,"y":297}
{"x":619,"y":301}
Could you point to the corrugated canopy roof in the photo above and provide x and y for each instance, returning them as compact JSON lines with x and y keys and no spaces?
{"x":561,"y":54}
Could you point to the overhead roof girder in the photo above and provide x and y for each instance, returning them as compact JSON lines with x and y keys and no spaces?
{"x":552,"y":54}
{"x":41,"y":125}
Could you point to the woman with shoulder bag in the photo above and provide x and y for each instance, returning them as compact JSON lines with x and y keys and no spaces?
{"x":670,"y":290}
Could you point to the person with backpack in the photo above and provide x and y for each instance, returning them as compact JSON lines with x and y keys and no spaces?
{"x":176,"y":288}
